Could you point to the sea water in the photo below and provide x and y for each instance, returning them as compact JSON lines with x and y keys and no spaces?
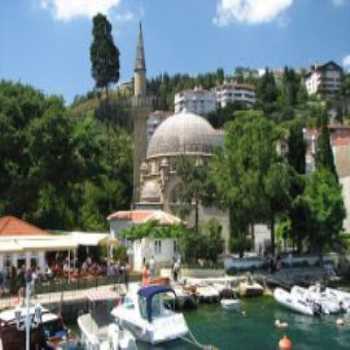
{"x":255,"y":329}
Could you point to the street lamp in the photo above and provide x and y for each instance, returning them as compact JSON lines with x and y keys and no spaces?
{"x":29,"y":321}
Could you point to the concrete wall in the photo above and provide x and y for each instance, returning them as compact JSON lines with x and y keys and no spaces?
{"x":146,"y":248}
{"x":345,"y":182}
{"x":195,"y":273}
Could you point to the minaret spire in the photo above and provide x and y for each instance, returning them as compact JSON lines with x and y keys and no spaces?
{"x":140,"y":62}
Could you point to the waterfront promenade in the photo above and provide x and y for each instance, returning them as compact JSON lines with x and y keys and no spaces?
{"x":57,"y":298}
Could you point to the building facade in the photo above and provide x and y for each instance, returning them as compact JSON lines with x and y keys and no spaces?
{"x":233,"y":92}
{"x":324,"y":80}
{"x":199,"y":101}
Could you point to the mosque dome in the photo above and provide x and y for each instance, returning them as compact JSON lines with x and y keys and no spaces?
{"x":182,"y":133}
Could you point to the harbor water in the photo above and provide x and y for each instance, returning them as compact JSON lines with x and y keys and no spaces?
{"x":255,"y":329}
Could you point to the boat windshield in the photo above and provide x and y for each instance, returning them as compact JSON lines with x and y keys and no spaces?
{"x":157,"y":306}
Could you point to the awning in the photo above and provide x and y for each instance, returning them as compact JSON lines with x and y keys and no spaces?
{"x":49,"y":244}
{"x":90,"y":239}
{"x":10,"y":247}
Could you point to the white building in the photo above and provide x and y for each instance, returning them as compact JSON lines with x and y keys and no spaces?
{"x":162,"y":250}
{"x":198,"y":101}
{"x":154,"y":119}
{"x":324,"y":79}
{"x":233,"y":92}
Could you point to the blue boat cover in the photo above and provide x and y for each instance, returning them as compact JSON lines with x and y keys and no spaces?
{"x":149,"y":292}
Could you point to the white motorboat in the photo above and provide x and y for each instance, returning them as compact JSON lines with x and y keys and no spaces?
{"x":143,"y":312}
{"x":99,"y":330}
{"x":294,"y":302}
{"x":231,"y":304}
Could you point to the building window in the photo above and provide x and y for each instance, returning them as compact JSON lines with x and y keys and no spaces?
{"x":175,"y":247}
{"x":158,"y":247}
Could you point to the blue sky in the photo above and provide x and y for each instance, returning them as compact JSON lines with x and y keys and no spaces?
{"x":46,"y":42}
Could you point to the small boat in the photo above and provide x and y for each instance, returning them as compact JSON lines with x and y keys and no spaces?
{"x":250,"y":288}
{"x":294,"y":302}
{"x":144,"y":314}
{"x":314,"y":295}
{"x":231,"y":304}
{"x":207,"y":293}
{"x":343,"y":298}
{"x":98,"y":329}
{"x":49,"y":331}
{"x":329,"y":304}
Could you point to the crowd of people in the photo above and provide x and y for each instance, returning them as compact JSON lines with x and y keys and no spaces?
{"x":13,"y":279}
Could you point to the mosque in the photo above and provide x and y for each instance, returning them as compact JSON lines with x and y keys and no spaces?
{"x":182,"y":134}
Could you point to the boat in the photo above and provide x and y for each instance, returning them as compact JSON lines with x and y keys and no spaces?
{"x":250,"y":288}
{"x":314,"y":295}
{"x":99,"y":330}
{"x":207,"y":293}
{"x":343,"y":298}
{"x":294,"y":302}
{"x":329,"y":304}
{"x":230,"y":304}
{"x":143,"y":312}
{"x":49,"y":331}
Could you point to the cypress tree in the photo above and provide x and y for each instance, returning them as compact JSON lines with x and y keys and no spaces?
{"x":296,"y":147}
{"x":104,"y":55}
{"x":324,"y":153}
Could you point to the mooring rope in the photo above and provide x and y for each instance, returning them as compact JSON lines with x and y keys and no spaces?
{"x":195,"y":342}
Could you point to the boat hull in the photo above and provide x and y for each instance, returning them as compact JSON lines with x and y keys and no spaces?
{"x":292,"y":302}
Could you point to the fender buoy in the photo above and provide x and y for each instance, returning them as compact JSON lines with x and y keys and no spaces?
{"x":285,"y":344}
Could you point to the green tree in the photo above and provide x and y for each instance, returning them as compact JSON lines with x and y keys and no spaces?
{"x":324,"y":153}
{"x":246,"y":172}
{"x":296,"y":147}
{"x":267,"y":91}
{"x":193,"y":175}
{"x":324,"y":201}
{"x":104,"y":55}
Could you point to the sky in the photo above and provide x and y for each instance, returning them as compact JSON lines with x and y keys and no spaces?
{"x":46,"y":43}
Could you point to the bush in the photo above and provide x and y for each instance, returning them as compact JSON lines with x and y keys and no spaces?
{"x":206,"y":245}
{"x":239,"y":244}
{"x":120,"y":253}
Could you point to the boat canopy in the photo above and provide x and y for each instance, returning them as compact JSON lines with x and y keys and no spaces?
{"x":149,"y":292}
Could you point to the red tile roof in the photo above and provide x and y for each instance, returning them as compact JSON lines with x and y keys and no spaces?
{"x":131,"y":215}
{"x":12,"y":226}
{"x":142,"y":216}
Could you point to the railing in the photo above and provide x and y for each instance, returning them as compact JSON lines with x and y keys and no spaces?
{"x":62,"y":285}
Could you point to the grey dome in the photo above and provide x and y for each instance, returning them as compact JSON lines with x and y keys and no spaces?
{"x":182,"y":133}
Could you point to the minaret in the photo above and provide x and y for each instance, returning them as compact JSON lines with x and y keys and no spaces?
{"x":140,"y":67}
{"x":142,"y":107}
